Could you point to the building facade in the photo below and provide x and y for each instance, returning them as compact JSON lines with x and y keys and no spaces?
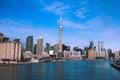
{"x":91,"y":45}
{"x":1,"y":37}
{"x":91,"y":54}
{"x":39,"y":47}
{"x":101,"y":47}
{"x":47,"y":49}
{"x":10,"y":50}
{"x":91,"y":51}
{"x":29,"y":43}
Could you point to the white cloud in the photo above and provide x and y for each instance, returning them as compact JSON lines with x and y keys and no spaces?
{"x":105,"y":28}
{"x":22,"y":29}
{"x":72,"y":24}
{"x":84,"y":2}
{"x":56,"y":7}
{"x":81,"y":13}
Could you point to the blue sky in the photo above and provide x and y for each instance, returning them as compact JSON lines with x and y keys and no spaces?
{"x":83,"y":20}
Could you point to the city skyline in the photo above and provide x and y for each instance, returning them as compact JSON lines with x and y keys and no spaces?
{"x":82,"y":22}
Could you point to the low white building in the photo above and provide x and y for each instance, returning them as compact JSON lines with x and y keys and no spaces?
{"x":72,"y":55}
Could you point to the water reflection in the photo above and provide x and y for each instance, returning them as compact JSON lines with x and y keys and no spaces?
{"x":76,"y":70}
{"x":10,"y":72}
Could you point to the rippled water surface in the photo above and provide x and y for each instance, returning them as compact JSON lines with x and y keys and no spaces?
{"x":75,"y":70}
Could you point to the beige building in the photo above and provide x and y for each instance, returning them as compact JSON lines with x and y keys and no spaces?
{"x":56,"y":48}
{"x":92,"y":54}
{"x":39,"y":47}
{"x":117,"y":55}
{"x":10,"y":50}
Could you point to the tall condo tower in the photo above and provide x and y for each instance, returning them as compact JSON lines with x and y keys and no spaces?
{"x":29,"y":43}
{"x":100,"y":46}
{"x":60,"y":39}
{"x":39,"y":46}
{"x":1,"y":37}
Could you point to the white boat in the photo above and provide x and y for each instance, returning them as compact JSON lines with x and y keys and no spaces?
{"x":34,"y":60}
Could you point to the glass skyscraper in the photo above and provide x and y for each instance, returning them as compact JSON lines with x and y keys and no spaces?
{"x":29,"y":43}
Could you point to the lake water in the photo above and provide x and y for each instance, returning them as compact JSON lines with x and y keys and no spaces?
{"x":75,"y":70}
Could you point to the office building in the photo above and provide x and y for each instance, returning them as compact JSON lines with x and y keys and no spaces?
{"x":29,"y":43}
{"x":47,"y":49}
{"x":35,"y":48}
{"x":65,"y":47}
{"x":91,"y":45}
{"x":1,"y":37}
{"x":91,"y":51}
{"x":56,"y":49}
{"x":91,"y":54}
{"x":76,"y":48}
{"x":39,"y":47}
{"x":117,"y":54}
{"x":101,"y":47}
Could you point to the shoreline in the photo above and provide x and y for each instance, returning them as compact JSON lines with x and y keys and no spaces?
{"x":115,"y":66}
{"x":20,"y":63}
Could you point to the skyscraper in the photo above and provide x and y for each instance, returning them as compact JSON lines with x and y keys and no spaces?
{"x":56,"y":49}
{"x":29,"y":43}
{"x":91,"y":45}
{"x":47,"y":49}
{"x":35,"y":48}
{"x":39,"y":46}
{"x":100,"y":46}
{"x":1,"y":37}
{"x":60,"y":39}
{"x":91,"y":51}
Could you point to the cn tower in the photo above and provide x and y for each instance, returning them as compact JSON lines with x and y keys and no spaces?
{"x":60,"y":39}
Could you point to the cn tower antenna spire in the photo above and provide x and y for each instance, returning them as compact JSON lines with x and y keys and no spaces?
{"x":60,"y":21}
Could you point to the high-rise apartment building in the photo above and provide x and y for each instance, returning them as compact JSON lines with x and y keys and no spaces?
{"x":56,"y":49}
{"x":101,"y":47}
{"x":47,"y":49}
{"x":39,"y":46}
{"x":34,"y":48}
{"x":91,"y":45}
{"x":110,"y":53}
{"x":29,"y":43}
{"x":91,"y":51}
